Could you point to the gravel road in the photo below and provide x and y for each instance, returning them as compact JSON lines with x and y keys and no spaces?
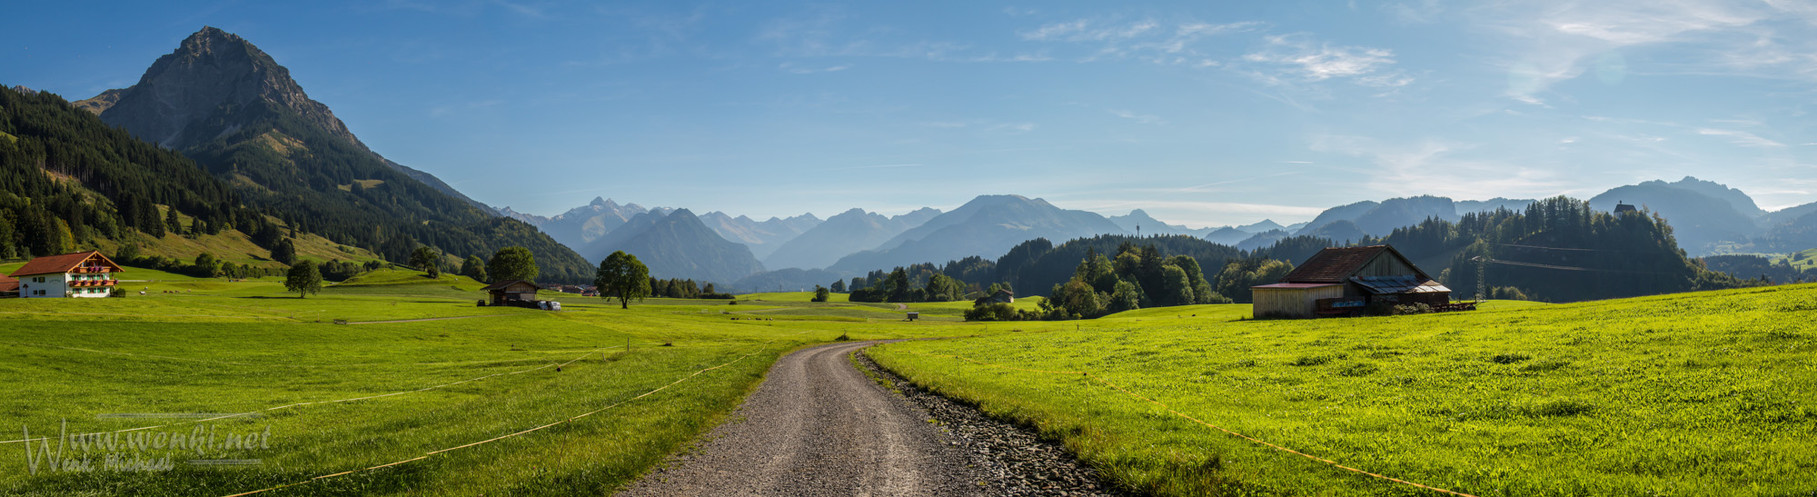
{"x":819,"y":427}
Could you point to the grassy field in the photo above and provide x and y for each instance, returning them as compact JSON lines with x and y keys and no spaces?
{"x":1693,"y":394}
{"x":1687,"y":394}
{"x":385,"y":389}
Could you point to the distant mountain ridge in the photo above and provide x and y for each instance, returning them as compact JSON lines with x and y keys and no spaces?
{"x":763,"y":238}
{"x":987,"y":226}
{"x":677,"y":245}
{"x":844,"y":234}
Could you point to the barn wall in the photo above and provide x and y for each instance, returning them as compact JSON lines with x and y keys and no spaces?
{"x":1292,"y":302}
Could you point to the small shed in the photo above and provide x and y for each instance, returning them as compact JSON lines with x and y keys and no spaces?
{"x":1001,"y":297}
{"x":9,"y":287}
{"x":1345,"y":280}
{"x":508,"y":291}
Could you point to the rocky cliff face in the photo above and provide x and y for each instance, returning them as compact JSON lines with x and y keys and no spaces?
{"x":217,"y":83}
{"x":214,"y":83}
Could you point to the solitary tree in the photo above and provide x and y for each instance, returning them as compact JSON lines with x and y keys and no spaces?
{"x":429,"y":259}
{"x":512,"y":263}
{"x":621,"y":275}
{"x":820,"y":293}
{"x":304,"y":279}
{"x":474,"y":268}
{"x":838,"y":286}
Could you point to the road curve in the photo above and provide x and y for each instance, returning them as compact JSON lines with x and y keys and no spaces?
{"x":818,"y":427}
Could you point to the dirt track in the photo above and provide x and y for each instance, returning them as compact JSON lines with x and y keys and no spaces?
{"x":819,"y":427}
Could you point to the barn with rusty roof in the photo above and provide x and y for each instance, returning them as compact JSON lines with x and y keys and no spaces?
{"x":1345,"y":281}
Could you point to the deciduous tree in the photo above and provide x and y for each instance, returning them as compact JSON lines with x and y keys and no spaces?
{"x":624,"y":277}
{"x":304,"y":278}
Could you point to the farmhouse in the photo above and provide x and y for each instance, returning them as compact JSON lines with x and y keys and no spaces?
{"x":1346,"y":280}
{"x":508,"y":291}
{"x":82,"y":274}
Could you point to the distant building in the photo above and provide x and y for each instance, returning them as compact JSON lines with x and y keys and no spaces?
{"x":82,"y":274}
{"x":9,"y":287}
{"x":1621,"y":207}
{"x":508,"y":291}
{"x":1344,"y":281}
{"x":998,"y":297}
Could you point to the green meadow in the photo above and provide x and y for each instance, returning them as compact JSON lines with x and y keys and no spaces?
{"x":1691,"y":394}
{"x":418,"y":368}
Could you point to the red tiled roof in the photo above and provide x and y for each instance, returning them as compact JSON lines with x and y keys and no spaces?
{"x":57,"y":264}
{"x":8,"y":284}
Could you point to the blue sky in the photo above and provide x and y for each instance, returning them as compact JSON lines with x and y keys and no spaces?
{"x":1202,"y":113}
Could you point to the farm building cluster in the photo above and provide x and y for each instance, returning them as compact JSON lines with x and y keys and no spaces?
{"x":1349,"y":281}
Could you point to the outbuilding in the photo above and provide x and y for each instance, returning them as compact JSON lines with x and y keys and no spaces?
{"x":509,"y":291}
{"x":1344,"y":281}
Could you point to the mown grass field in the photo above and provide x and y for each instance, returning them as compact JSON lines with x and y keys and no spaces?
{"x":1692,"y":394}
{"x":472,"y":374}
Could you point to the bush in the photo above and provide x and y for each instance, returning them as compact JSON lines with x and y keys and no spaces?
{"x":1005,"y":312}
{"x":1413,"y":308}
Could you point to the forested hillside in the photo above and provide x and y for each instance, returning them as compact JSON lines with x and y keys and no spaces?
{"x":67,"y":180}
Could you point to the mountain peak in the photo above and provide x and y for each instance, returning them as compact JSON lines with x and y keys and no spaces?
{"x":215,"y":83}
{"x":208,"y":40}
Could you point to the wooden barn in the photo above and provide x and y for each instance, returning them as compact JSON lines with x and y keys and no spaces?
{"x":508,"y":291}
{"x":1344,"y":281}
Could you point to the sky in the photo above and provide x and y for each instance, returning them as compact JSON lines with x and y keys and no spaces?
{"x":1200,"y":113}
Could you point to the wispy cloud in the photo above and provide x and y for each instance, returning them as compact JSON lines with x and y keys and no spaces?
{"x":1741,"y":138}
{"x":1561,"y":40}
{"x":1433,"y":167}
{"x":874,"y":166}
{"x":1303,"y":60}
{"x":1138,"y":118}
{"x":1144,"y":39}
{"x":794,"y":68}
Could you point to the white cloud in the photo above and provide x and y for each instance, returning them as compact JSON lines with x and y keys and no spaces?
{"x":1301,"y":59}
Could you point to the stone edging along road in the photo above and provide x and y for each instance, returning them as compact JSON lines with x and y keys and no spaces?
{"x":819,"y":427}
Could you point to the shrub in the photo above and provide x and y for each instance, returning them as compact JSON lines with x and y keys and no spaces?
{"x":1413,"y":308}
